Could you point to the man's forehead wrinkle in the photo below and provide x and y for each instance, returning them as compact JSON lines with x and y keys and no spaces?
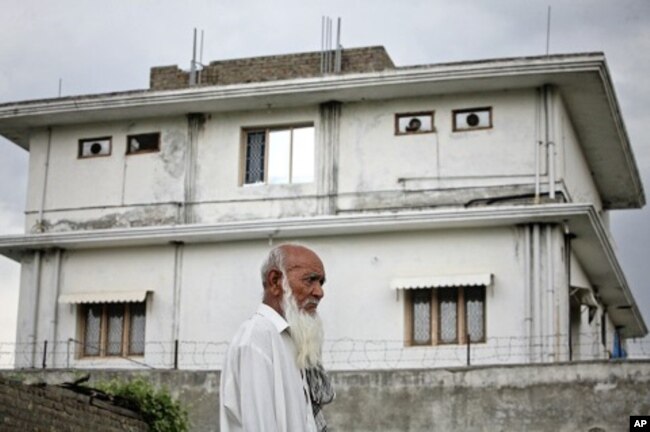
{"x":310,"y":270}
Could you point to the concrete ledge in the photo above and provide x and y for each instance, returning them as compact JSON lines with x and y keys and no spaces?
{"x":584,"y":396}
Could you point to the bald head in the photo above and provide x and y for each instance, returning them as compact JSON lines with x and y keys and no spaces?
{"x":303,"y":270}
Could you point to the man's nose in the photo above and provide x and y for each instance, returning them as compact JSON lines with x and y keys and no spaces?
{"x":318,"y":291}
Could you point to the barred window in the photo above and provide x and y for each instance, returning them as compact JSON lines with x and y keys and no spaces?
{"x":421,"y":316}
{"x":279,"y":155}
{"x":113,"y":329}
{"x":446,"y":315}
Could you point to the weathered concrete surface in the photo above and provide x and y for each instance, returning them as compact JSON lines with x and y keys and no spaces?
{"x":594,"y":397}
{"x":587,"y":396}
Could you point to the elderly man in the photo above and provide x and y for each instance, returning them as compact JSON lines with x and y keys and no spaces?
{"x":272,"y":379}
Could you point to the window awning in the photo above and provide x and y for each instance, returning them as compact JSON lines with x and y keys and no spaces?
{"x":481,"y":279}
{"x":104,"y":297}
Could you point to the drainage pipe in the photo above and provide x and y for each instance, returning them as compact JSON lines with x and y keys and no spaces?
{"x":55,"y":312}
{"x":178,"y":280}
{"x":538,"y":144}
{"x":551,"y":308}
{"x":38,"y":256}
{"x":528,"y":311}
{"x":39,"y":225}
{"x":550,"y":144}
{"x":568,"y":237}
{"x":536,"y":303}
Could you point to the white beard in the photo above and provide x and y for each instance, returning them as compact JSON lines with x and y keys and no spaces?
{"x":306,"y":329}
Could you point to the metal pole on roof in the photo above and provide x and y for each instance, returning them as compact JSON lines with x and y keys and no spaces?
{"x":337,"y":61}
{"x":548,"y":30}
{"x":201,"y":50}
{"x":329,"y":45}
{"x":200,"y":58}
{"x":193,"y":64}
{"x":322,"y":45}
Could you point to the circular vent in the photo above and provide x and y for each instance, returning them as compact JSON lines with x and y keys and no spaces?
{"x":473,"y":120}
{"x":95,"y":148}
{"x":414,"y":125}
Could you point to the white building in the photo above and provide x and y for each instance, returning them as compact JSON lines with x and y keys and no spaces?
{"x":445,"y":200}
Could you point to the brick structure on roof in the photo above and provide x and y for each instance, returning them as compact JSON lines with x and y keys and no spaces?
{"x":271,"y":68}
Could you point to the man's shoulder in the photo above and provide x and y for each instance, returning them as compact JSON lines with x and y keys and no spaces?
{"x":256,"y":329}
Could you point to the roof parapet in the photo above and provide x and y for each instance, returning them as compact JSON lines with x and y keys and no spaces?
{"x":270,"y":68}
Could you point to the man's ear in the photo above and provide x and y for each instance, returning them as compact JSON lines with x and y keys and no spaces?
{"x":274,"y":282}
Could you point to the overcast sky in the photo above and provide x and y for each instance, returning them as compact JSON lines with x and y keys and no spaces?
{"x":107,"y":46}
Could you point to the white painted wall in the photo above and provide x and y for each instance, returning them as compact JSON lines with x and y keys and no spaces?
{"x":220,"y":158}
{"x":96,"y":271}
{"x":118,"y":190}
{"x":221,"y":153}
{"x":27,"y":311}
{"x":221,"y":287}
{"x":220,"y":284}
{"x":359,"y":270}
{"x":8,"y":319}
{"x":373,"y":158}
{"x":150,"y":269}
{"x":104,"y":187}
{"x":572,"y":165}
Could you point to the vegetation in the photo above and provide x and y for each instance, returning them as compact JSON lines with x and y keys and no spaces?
{"x":157,"y":408}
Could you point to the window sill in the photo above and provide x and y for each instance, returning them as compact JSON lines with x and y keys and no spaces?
{"x":142,"y":152}
{"x":448,"y":345}
{"x":116,"y":357}
{"x":275,"y":185}
{"x":130,"y":362}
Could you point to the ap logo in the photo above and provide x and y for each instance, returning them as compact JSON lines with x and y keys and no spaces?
{"x":640,"y":423}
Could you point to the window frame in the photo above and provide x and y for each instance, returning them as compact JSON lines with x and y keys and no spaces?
{"x":267,"y":130}
{"x":145,"y":151}
{"x":125,"y":346}
{"x":398,"y":116}
{"x":82,"y":141}
{"x":434,"y":317}
{"x":465,"y":110}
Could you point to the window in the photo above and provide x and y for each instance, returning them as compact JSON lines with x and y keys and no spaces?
{"x":143,"y":143}
{"x":112,"y":329}
{"x":94,"y":147}
{"x":414,"y":123}
{"x":446,"y":315}
{"x":279,"y":155}
{"x":472,"y":119}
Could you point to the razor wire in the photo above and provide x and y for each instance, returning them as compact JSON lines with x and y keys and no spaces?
{"x":338,"y":354}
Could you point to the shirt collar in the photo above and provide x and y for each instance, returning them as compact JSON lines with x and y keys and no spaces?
{"x":276,"y":319}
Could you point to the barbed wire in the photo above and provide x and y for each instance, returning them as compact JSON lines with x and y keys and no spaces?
{"x":338,"y":354}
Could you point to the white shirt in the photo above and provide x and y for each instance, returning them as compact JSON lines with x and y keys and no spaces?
{"x":262,"y":388}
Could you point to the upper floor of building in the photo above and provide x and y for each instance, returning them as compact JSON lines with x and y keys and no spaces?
{"x":273,"y":138}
